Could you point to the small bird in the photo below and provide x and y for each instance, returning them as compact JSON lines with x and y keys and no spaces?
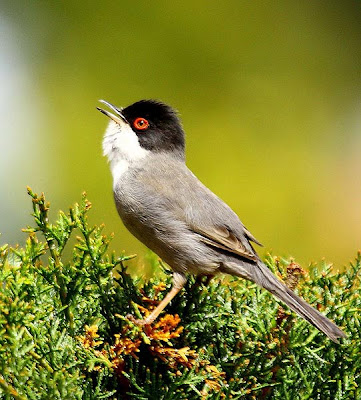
{"x":165,"y":206}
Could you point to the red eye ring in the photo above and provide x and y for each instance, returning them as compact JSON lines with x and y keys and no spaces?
{"x":141,"y":124}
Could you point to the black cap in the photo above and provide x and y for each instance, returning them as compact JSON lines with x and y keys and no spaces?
{"x":157,"y":126}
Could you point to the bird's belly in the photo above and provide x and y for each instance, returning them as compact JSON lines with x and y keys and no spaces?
{"x":174,"y":244}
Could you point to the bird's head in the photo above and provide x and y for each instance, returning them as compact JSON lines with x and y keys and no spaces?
{"x":143,"y":127}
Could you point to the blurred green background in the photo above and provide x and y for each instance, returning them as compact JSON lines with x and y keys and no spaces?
{"x":269,"y":94}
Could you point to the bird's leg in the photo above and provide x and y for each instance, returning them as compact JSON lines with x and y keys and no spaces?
{"x":179,"y":281}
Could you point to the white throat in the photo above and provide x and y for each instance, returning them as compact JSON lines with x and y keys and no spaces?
{"x":122,"y":147}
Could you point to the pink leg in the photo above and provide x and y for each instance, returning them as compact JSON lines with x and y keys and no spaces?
{"x":179,"y":281}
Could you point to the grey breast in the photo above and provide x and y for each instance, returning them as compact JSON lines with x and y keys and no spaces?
{"x":160,"y":200}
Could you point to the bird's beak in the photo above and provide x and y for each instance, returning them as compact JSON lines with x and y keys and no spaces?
{"x":118,"y":118}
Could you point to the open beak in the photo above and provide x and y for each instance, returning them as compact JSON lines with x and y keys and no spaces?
{"x":118,"y":117}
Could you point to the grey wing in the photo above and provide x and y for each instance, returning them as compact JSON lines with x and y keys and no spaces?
{"x":202,"y":212}
{"x":220,"y":227}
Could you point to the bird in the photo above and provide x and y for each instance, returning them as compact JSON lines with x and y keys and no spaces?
{"x":165,"y":206}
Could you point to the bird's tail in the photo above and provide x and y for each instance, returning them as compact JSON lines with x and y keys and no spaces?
{"x":263,"y":276}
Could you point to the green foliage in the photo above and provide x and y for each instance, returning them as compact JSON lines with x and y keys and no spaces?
{"x":65,"y":334}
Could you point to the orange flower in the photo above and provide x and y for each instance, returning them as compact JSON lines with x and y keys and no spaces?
{"x":124,"y":346}
{"x":214,"y":381}
{"x":144,"y":310}
{"x":159,"y":288}
{"x":216,"y":374}
{"x":174,"y":357}
{"x":213,"y":385}
{"x":164,"y":329}
{"x":90,"y":335}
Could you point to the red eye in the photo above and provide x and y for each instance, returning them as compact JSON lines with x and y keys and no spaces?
{"x":141,"y":124}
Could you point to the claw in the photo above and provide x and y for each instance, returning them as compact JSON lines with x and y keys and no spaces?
{"x":139,"y":322}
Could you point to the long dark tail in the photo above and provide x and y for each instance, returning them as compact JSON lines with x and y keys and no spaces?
{"x":262,"y":275}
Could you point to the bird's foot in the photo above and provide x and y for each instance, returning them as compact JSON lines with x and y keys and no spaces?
{"x":138,"y":322}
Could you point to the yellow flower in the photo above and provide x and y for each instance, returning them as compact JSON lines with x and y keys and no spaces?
{"x":88,"y":340}
{"x":125,"y":346}
{"x":174,"y":357}
{"x":165,"y":328}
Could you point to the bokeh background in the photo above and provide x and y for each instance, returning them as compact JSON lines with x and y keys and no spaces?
{"x":269,"y":94}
